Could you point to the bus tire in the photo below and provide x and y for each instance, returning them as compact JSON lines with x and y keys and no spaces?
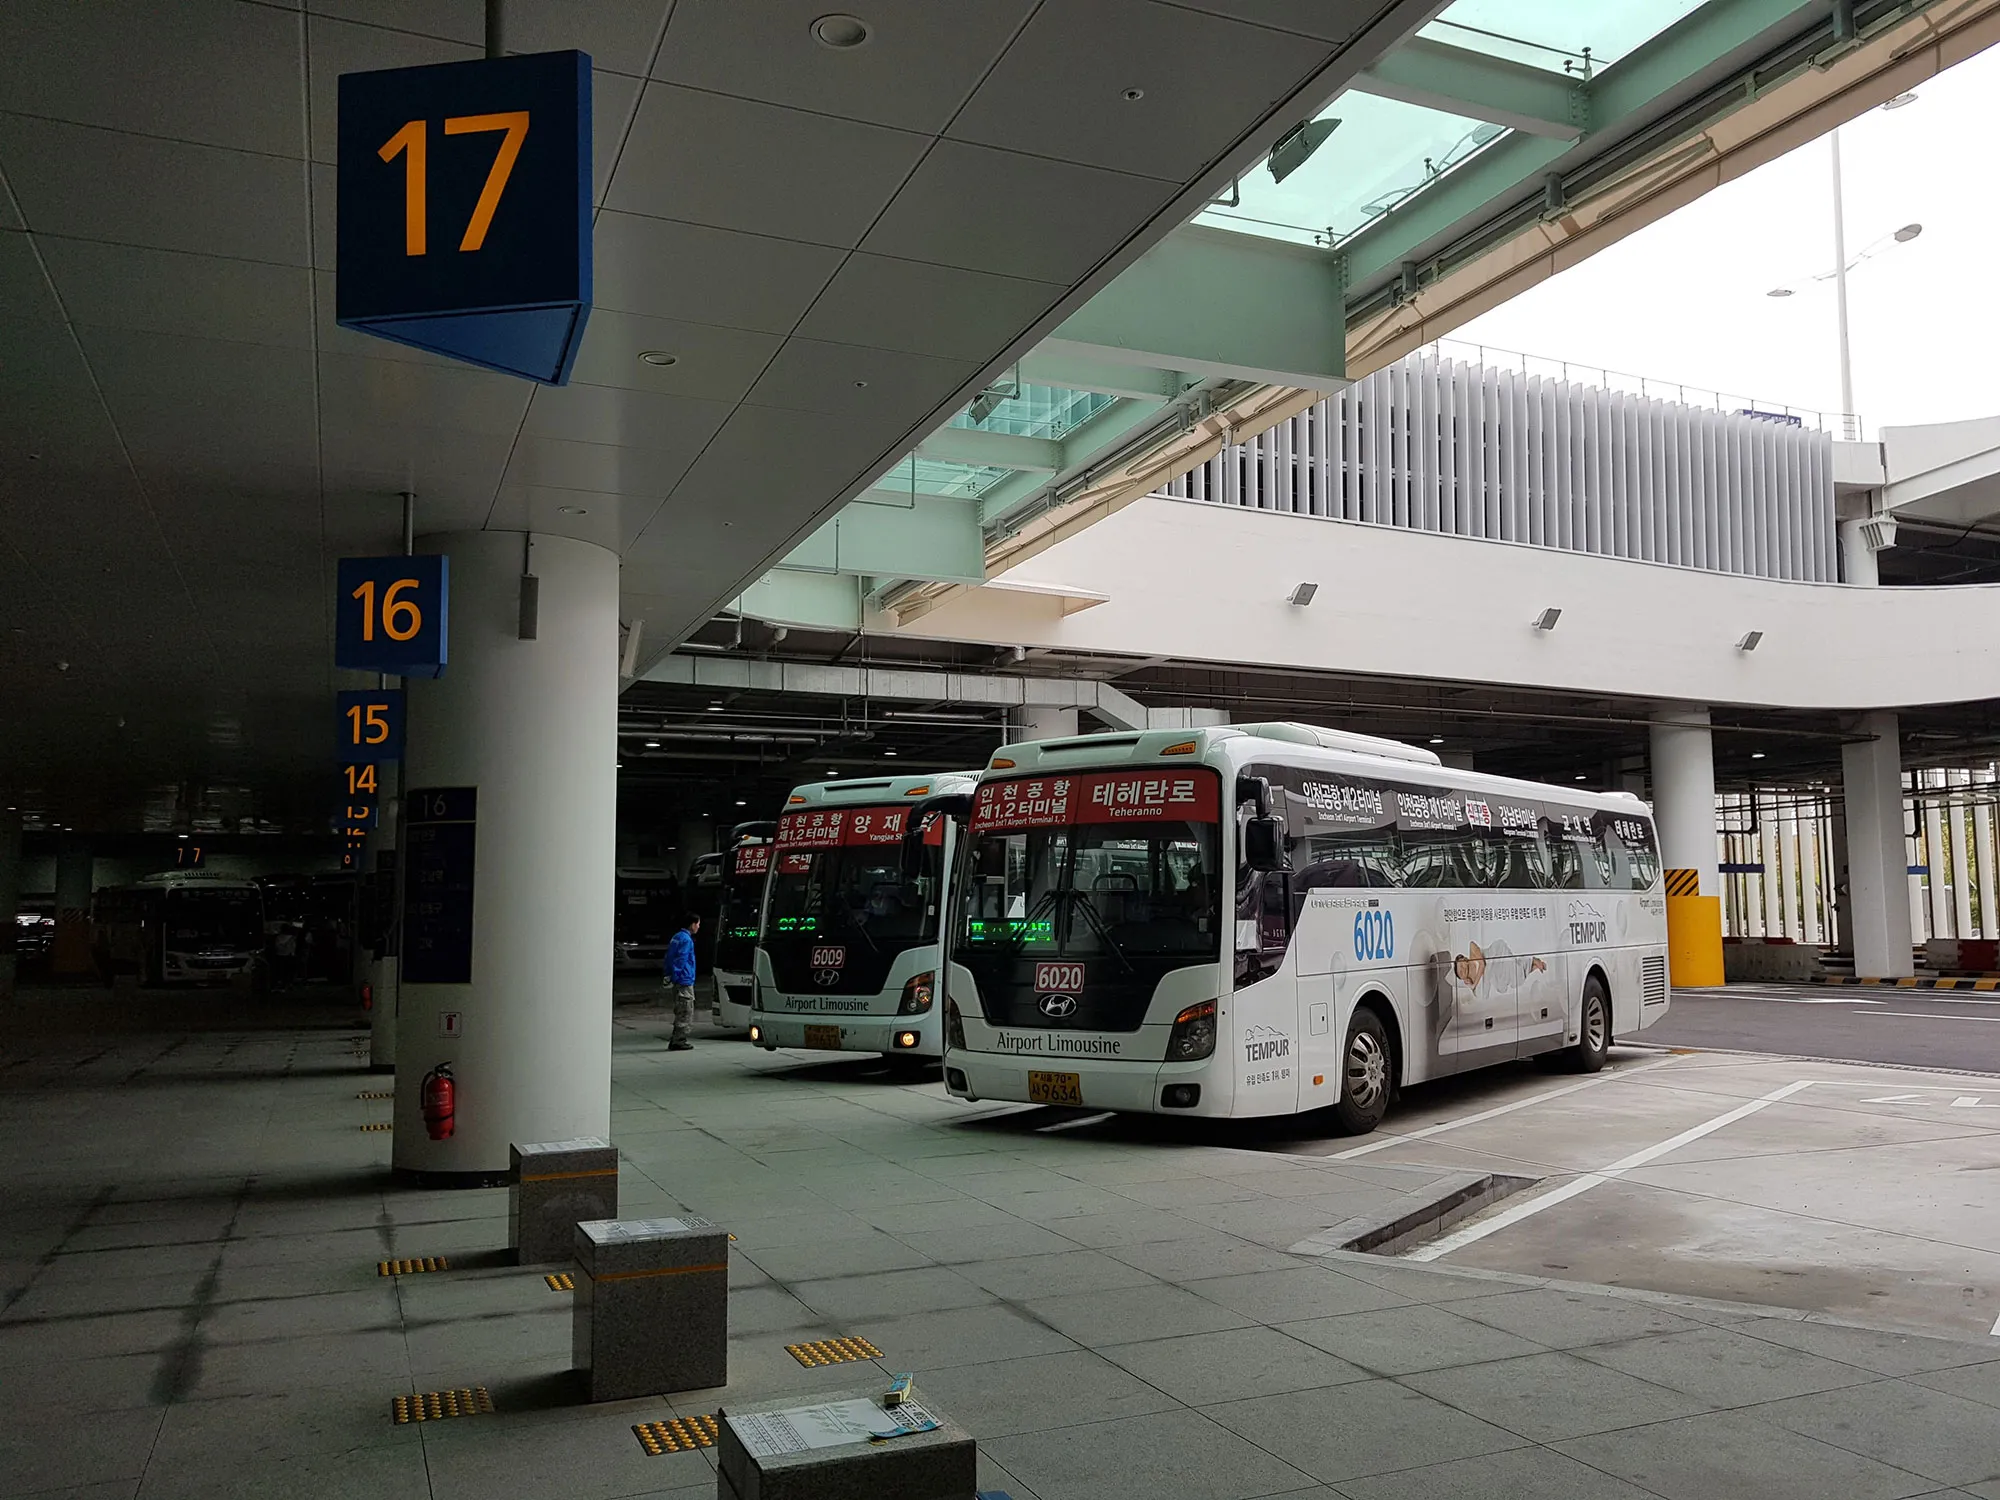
{"x":1367,"y":1074}
{"x":1593,"y":1043}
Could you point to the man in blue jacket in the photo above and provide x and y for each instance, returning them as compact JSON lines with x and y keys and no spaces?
{"x":679,"y":978}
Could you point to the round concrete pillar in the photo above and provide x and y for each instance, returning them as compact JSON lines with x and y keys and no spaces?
{"x":1684,"y":811}
{"x":530,"y":727}
{"x":382,"y":865}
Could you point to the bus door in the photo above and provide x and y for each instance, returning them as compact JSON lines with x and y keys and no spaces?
{"x":1272,"y":1028}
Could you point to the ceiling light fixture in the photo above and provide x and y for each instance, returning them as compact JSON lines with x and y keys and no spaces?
{"x":1756,"y":754}
{"x":1133,"y":96}
{"x":1296,"y":145}
{"x":840,"y":31}
{"x":1437,"y":739}
{"x":652,"y":744}
{"x":1899,"y":101}
{"x":571,"y":510}
{"x":1302,"y":595}
{"x":887,"y":751}
{"x":1546,"y":620}
{"x":658,"y":357}
{"x":1751,"y":641}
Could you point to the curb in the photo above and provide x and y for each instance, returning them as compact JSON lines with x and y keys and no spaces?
{"x":1914,"y":983}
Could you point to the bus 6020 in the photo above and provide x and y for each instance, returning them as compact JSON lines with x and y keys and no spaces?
{"x":1276,"y":918}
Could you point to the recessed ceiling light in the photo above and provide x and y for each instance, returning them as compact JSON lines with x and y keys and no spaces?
{"x":888,"y":752}
{"x":658,"y":357}
{"x":715,"y":708}
{"x":571,"y":510}
{"x":652,"y":744}
{"x":741,"y":803}
{"x":1133,"y":96}
{"x":1756,"y":754}
{"x":861,"y":385}
{"x":840,"y":31}
{"x":1437,"y":739}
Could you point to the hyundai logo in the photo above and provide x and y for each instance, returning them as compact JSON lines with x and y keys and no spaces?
{"x":1058,"y":1007}
{"x":826,"y":976}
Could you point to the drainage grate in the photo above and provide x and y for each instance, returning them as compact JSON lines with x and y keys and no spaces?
{"x":376,"y":1094}
{"x":560,"y":1281}
{"x":435,"y":1406}
{"x":676,"y":1434}
{"x":379,"y":1125}
{"x":411,"y":1267}
{"x":832,"y":1351}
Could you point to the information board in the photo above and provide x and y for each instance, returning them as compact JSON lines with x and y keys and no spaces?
{"x":439,"y":844}
{"x":391,"y":614}
{"x":464,"y":209}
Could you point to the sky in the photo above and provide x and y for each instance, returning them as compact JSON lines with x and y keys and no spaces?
{"x":1685,"y":298}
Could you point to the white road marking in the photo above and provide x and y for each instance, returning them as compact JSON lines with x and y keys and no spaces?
{"x":1929,"y":1015}
{"x":1507,"y":1217}
{"x":1971,"y":1101}
{"x":1896,"y":1099}
{"x":1383,"y":1143}
{"x":1996,"y":1328}
{"x":1814,"y":999}
{"x":1097,"y":1119}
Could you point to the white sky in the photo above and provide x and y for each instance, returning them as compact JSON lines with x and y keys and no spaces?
{"x":1684,"y":299}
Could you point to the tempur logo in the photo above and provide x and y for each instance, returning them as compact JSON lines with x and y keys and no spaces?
{"x":1587,"y":926}
{"x":1261,"y":1043}
{"x":1058,"y":1044}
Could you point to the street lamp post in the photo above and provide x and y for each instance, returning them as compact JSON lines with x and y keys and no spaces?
{"x":1850,"y":423}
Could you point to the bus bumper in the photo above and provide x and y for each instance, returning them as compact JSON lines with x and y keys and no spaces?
{"x":849,"y":1033}
{"x":1133,"y":1087}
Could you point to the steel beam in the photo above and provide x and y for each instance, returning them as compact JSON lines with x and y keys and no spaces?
{"x":1217,"y":303}
{"x":899,"y":535}
{"x":1460,"y":81}
{"x":1074,"y":373}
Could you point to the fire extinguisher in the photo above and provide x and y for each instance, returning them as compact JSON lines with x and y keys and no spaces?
{"x":439,"y":1101}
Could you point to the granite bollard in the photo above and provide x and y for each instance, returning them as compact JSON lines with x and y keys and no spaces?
{"x":554,"y":1186}
{"x":652,"y":1306}
{"x":823,"y":1448}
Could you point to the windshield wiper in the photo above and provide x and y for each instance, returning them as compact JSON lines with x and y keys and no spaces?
{"x":1097,"y":925}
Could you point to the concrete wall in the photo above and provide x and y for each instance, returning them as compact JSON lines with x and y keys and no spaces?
{"x":1208,"y":583}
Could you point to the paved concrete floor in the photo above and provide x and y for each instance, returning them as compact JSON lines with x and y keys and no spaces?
{"x":1866,"y":1193}
{"x":1910,"y":1028}
{"x":189,"y":1228}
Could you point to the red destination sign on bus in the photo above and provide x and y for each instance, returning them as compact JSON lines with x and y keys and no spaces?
{"x":1096,"y":797}
{"x":753,"y":859}
{"x":843,"y":828}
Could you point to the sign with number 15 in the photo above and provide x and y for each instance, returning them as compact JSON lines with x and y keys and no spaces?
{"x":371,"y":726}
{"x":390,"y":615}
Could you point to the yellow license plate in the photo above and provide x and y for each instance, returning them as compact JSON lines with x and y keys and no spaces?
{"x":827,"y":1037}
{"x":1055,"y":1088}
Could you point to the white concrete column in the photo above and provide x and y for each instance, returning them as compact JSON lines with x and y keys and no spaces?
{"x":1956,"y":814}
{"x":1810,"y":930}
{"x":1040,"y":721}
{"x":1982,"y":843}
{"x":1683,"y":774}
{"x":531,"y":726}
{"x":1920,"y":912}
{"x":1872,"y":794}
{"x":1770,"y":890}
{"x":1857,"y":559}
{"x":1788,"y":870}
{"x":382,"y":864}
{"x":10,"y":900}
{"x":1935,"y":858}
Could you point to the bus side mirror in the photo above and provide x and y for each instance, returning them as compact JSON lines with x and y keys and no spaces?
{"x":1263,"y":844}
{"x":956,"y":805}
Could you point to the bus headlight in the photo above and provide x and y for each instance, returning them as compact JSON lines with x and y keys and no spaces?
{"x":1193,"y":1036}
{"x":917,"y":994}
{"x":954,"y":1027}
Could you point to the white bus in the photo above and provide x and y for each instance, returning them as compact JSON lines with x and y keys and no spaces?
{"x":747,"y":861}
{"x":1275,"y":918}
{"x":847,"y":953}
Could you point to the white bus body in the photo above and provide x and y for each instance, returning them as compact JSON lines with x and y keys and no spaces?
{"x":1111,"y":948}
{"x":847,"y":952}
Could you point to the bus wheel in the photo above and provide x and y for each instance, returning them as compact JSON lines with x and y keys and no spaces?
{"x":1593,"y":1043}
{"x":1366,"y":1076}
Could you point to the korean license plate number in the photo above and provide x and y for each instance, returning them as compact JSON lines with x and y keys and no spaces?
{"x":1055,"y":1088}
{"x":826,"y":1038}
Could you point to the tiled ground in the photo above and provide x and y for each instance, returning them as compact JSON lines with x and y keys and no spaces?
{"x":189,"y":1307}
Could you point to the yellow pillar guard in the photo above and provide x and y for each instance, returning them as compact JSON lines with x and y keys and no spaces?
{"x":1694,"y":932}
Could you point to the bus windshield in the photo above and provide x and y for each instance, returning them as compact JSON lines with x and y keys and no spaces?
{"x":839,"y":876}
{"x":1116,"y":873}
{"x":742,"y":894}
{"x":218,"y":917}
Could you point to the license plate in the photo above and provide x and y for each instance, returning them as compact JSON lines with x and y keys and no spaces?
{"x":826,"y":1037}
{"x":1055,"y":1088}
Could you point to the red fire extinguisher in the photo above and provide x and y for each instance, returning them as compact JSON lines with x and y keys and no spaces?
{"x":439,"y":1101}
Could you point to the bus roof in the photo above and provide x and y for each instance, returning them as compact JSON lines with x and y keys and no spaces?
{"x":873,"y":790}
{"x":1237,"y":744}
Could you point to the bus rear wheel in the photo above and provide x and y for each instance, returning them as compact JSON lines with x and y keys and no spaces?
{"x":1366,"y":1075}
{"x":1593,"y":1042}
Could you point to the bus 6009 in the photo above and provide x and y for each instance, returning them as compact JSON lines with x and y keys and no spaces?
{"x":1276,"y":918}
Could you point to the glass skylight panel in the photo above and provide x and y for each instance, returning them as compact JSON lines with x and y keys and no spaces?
{"x":1553,"y":34}
{"x":1384,"y":153}
{"x":937,"y":476}
{"x":1044,"y":411}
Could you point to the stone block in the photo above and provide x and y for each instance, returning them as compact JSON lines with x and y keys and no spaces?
{"x":790,"y":1450}
{"x":652,"y":1306}
{"x":553,"y":1187}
